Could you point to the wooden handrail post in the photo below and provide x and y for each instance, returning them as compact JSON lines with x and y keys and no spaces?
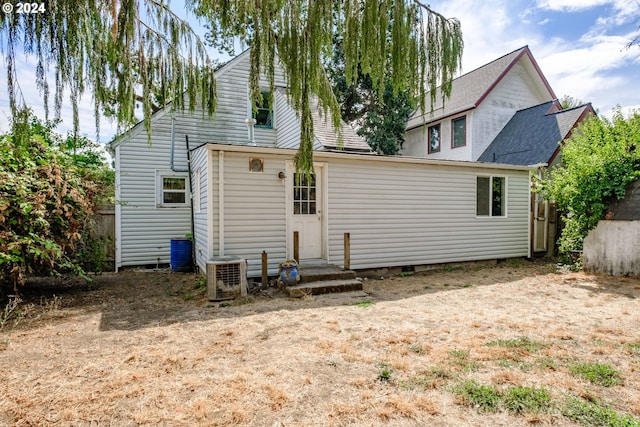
{"x":296,"y":246}
{"x":265,"y":275}
{"x":347,"y":251}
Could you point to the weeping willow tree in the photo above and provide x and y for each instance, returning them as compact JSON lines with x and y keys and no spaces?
{"x":123,"y":50}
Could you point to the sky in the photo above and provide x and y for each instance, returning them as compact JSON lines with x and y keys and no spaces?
{"x":578,"y":44}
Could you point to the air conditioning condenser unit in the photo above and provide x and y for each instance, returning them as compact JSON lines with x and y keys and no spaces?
{"x":226,"y":278}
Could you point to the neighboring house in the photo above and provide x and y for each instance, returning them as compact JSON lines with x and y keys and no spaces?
{"x":246,"y":198}
{"x":482,"y":102}
{"x":503,"y":112}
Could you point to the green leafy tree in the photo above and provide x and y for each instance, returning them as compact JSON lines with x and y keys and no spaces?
{"x":124,"y":50}
{"x":568,"y":101}
{"x":385,"y":121}
{"x":380,"y":117}
{"x":598,"y":162}
{"x":47,"y":197}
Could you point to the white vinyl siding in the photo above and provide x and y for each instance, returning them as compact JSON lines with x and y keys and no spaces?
{"x":419,"y":214}
{"x":397,"y":212}
{"x":145,"y":230}
{"x":514,"y":92}
{"x":253,"y":210}
{"x":199,"y":162}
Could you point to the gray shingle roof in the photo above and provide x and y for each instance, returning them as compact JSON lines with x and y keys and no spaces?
{"x":533,"y":135}
{"x":326,"y":135}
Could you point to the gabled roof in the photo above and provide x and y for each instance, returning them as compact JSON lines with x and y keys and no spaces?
{"x":470,"y":89}
{"x":534,"y":135}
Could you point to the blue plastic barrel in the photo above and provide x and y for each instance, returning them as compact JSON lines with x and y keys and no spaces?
{"x":181,"y":255}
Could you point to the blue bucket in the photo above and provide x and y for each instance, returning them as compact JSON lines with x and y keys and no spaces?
{"x":181,"y":255}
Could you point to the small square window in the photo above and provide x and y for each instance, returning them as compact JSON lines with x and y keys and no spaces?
{"x":264,"y":112}
{"x":434,"y":139}
{"x":459,"y":132}
{"x":171,"y":190}
{"x":256,"y":165}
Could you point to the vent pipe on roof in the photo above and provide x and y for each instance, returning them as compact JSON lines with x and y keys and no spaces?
{"x":250,"y":121}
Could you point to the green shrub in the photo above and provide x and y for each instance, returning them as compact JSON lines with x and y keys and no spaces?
{"x":598,"y":162}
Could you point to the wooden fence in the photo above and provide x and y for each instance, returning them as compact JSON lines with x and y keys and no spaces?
{"x":105,"y":232}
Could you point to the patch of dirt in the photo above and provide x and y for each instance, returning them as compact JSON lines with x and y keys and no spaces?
{"x":148,"y":348}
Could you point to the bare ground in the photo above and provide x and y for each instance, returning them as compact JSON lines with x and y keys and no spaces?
{"x":147,"y":348}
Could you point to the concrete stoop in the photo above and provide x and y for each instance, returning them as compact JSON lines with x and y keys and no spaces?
{"x":324,"y":279}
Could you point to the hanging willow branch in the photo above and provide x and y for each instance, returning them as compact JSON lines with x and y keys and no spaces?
{"x":116,"y":48}
{"x":425,"y":48}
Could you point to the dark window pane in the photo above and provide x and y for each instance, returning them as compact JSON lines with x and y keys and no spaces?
{"x":173,"y":183}
{"x":459,"y":132}
{"x":482,"y":196}
{"x":305,"y":208}
{"x":498,"y":197}
{"x":173,"y":197}
{"x":264,"y":113}
{"x":312,"y":208}
{"x":296,"y":208}
{"x":434,"y":139}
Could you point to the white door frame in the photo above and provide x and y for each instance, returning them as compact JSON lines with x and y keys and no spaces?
{"x":323,"y":200}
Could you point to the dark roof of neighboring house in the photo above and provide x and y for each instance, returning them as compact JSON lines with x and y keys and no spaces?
{"x":533,"y":135}
{"x":470,"y":89}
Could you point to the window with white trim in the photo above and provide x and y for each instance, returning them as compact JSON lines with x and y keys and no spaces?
{"x":171,"y":190}
{"x":491,"y":196}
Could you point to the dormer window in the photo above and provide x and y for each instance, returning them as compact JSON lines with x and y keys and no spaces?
{"x":264,"y":112}
{"x":459,"y":132}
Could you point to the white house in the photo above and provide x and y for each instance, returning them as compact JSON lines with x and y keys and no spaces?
{"x":482,"y":102}
{"x":246,"y":199}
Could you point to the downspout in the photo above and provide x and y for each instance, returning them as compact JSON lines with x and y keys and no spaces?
{"x":173,"y":147}
{"x":193,"y":229}
{"x":188,"y":170}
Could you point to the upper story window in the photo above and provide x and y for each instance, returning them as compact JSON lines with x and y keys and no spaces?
{"x":491,"y":196}
{"x":434,"y":138}
{"x":459,"y":132}
{"x":264,"y":112}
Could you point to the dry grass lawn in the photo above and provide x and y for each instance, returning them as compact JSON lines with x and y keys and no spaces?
{"x":473,"y":346}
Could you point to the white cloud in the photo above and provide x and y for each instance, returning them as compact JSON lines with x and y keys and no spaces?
{"x":571,"y":5}
{"x":593,"y":67}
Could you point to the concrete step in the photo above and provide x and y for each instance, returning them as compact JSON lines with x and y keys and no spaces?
{"x":321,"y":287}
{"x":324,"y":272}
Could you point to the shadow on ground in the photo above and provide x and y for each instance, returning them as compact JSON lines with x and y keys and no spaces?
{"x":135,"y":299}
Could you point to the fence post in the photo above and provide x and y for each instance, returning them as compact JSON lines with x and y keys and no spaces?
{"x":347,"y":251}
{"x":296,"y":246}
{"x":265,"y":275}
